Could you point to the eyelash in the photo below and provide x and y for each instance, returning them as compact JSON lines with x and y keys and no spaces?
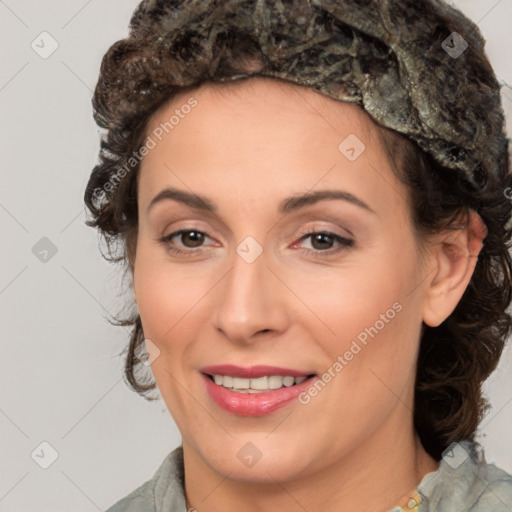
{"x":345,"y":243}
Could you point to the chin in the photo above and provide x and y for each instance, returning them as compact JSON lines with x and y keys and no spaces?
{"x":258,"y":461}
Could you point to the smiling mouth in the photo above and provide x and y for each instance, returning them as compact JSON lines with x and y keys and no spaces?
{"x":257,"y":385}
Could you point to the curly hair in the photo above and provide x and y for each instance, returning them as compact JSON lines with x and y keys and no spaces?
{"x":175,"y":46}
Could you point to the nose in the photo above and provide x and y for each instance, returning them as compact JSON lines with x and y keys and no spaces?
{"x":250,"y":302}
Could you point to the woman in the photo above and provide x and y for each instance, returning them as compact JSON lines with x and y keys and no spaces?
{"x":310,"y":201}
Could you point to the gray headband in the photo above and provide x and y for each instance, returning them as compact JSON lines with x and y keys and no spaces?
{"x":415,"y":66}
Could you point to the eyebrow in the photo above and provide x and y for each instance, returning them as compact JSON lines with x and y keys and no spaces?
{"x":288,"y":205}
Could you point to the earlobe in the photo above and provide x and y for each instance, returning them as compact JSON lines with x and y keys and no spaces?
{"x":454,"y":257}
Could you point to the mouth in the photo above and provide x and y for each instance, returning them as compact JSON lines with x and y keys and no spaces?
{"x":257,"y":395}
{"x":264,"y":384}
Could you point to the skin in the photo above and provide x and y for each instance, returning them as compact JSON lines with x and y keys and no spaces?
{"x":354,"y":442}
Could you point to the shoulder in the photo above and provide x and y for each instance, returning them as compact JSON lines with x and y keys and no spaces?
{"x":162,"y":492}
{"x":140,"y":500}
{"x":496,"y":495}
{"x":466,"y":482}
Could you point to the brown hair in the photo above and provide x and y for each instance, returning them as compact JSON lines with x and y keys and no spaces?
{"x":454,"y":359}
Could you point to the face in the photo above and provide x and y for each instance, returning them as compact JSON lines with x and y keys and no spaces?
{"x":247,"y":282}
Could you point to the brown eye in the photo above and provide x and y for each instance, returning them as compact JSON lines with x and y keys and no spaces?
{"x":189,"y":239}
{"x":195,"y":237}
{"x":322,"y":243}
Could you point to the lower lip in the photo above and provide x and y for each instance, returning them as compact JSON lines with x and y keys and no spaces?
{"x":254,"y":404}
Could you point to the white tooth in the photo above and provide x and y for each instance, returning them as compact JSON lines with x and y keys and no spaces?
{"x":239,"y":383}
{"x":288,"y":381}
{"x":227,"y":381}
{"x":275,"y":382}
{"x":259,"y":383}
{"x":256,"y":385}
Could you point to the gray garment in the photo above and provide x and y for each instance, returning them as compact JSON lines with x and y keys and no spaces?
{"x":464,"y":482}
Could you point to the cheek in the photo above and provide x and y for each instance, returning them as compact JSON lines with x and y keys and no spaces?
{"x":366,"y":309}
{"x":169,"y":297}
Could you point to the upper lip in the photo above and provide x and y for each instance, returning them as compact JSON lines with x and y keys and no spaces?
{"x":252,"y":372}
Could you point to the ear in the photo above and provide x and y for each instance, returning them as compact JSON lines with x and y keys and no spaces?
{"x":454,"y":257}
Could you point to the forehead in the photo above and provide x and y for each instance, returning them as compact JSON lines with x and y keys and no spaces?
{"x":264,"y":139}
{"x":267,"y":93}
{"x":259,"y":118}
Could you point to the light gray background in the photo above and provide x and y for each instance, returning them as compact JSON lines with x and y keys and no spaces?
{"x":61,"y":379}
